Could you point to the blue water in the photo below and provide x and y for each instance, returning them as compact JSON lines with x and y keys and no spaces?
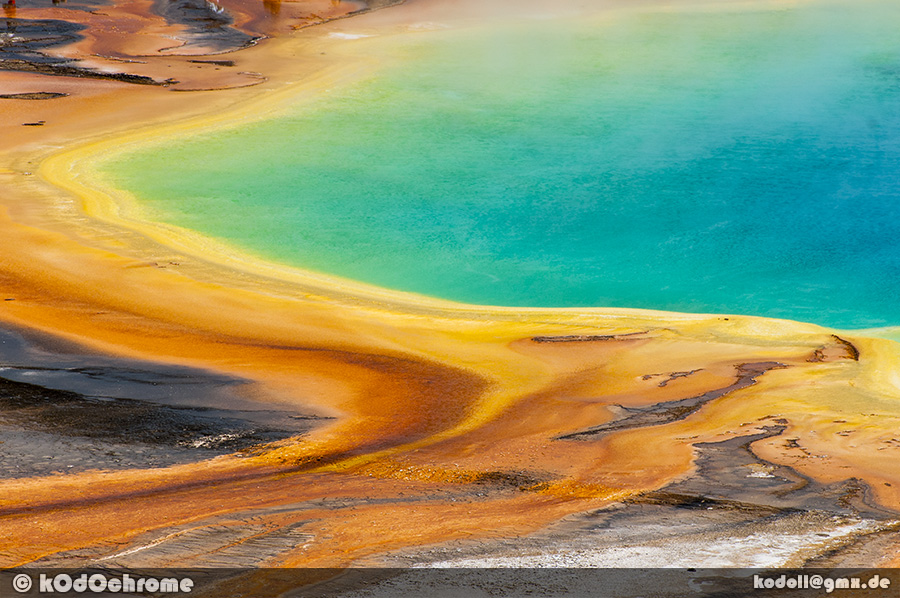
{"x":732,"y":162}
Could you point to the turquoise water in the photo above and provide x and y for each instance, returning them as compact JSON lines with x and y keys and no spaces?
{"x":732,"y":162}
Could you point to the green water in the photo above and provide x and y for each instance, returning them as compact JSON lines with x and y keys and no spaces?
{"x":732,"y":162}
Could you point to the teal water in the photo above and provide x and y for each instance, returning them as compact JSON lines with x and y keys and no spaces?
{"x":731,"y":162}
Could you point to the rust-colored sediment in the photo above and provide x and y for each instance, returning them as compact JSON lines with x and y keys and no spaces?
{"x":452,"y":421}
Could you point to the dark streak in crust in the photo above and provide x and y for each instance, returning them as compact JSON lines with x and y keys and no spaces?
{"x":37,"y":95}
{"x":818,"y":356}
{"x":703,"y":502}
{"x":260,"y":78}
{"x":672,"y":411}
{"x":852,"y":352}
{"x":671,"y":376}
{"x":215,"y":62}
{"x":851,"y":348}
{"x":518,"y":480}
{"x":59,"y":70}
{"x":584,"y":338}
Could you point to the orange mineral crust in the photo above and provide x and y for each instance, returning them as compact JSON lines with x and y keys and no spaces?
{"x":433,"y":421}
